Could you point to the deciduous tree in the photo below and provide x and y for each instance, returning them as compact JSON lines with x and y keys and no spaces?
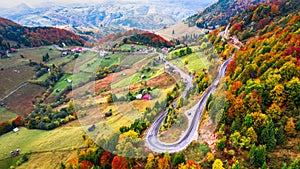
{"x":218,"y":164}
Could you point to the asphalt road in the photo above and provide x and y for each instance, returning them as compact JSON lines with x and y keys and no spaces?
{"x":152,"y":140}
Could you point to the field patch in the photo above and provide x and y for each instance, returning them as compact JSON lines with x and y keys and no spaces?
{"x":63,"y":138}
{"x":196,"y":62}
{"x":11,"y":78}
{"x":6,"y":115}
{"x":127,"y":47}
{"x":50,"y":159}
{"x":21,"y":102}
{"x":36,"y":54}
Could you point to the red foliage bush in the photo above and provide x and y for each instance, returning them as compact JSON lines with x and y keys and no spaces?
{"x":119,"y":163}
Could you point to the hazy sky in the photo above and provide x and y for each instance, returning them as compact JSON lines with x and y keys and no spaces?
{"x":35,"y":3}
{"x":38,"y":3}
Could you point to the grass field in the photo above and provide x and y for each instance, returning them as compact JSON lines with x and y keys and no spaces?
{"x":69,"y":68}
{"x":36,"y":54}
{"x":48,"y":159}
{"x":138,"y":62}
{"x":63,"y":138}
{"x":136,"y":77}
{"x":113,"y":59}
{"x":6,"y":163}
{"x":180,"y":29}
{"x":124,"y":114}
{"x":135,"y":59}
{"x":127,"y":47}
{"x":197,"y":62}
{"x":18,"y":69}
{"x":42,"y":78}
{"x":77,"y":78}
{"x":6,"y":115}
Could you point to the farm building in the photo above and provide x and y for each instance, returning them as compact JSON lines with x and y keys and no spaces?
{"x":64,"y":54}
{"x":92,"y":128}
{"x":143,"y":77}
{"x":16,"y":129}
{"x":139,"y":96}
{"x":108,"y":114}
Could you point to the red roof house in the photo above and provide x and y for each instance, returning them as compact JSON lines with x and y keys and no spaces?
{"x":12,"y":50}
{"x":146,"y":97}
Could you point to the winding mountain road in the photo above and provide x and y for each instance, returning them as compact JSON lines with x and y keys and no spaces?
{"x":152,"y":140}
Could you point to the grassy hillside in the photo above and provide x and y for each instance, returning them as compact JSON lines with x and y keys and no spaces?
{"x":34,"y":141}
{"x":45,"y":148}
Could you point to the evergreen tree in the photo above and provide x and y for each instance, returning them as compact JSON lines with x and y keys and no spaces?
{"x":257,"y":155}
{"x":236,"y":165}
{"x":264,"y":166}
{"x":268,"y":135}
{"x":280,"y":135}
{"x":294,"y":165}
{"x":178,"y":159}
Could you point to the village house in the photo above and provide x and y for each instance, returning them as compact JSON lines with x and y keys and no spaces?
{"x":146,"y":97}
{"x":165,"y":50}
{"x":64,"y":54}
{"x":73,"y":50}
{"x":103,"y":53}
{"x":78,"y":50}
{"x":143,"y":76}
{"x":13,"y":50}
{"x":92,"y":128}
{"x":108,"y":114}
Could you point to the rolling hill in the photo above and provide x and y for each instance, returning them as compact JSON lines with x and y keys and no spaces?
{"x":16,"y":35}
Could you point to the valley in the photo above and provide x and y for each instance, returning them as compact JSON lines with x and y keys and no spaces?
{"x":150,"y":84}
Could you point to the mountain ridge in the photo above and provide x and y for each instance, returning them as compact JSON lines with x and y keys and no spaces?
{"x":34,"y":36}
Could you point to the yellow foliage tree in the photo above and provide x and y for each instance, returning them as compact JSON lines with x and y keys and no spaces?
{"x":218,"y":164}
{"x":290,"y":128}
{"x":163,"y":163}
{"x":210,"y":157}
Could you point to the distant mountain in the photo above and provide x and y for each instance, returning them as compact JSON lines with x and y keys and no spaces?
{"x":127,"y":14}
{"x":220,"y":13}
{"x":16,"y":35}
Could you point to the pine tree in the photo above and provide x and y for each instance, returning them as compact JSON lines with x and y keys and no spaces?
{"x":257,"y":155}
{"x":236,"y":165}
{"x":280,"y":135}
{"x":268,"y":135}
{"x":178,"y":159}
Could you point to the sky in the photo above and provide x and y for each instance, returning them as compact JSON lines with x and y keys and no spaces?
{"x":38,"y":3}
